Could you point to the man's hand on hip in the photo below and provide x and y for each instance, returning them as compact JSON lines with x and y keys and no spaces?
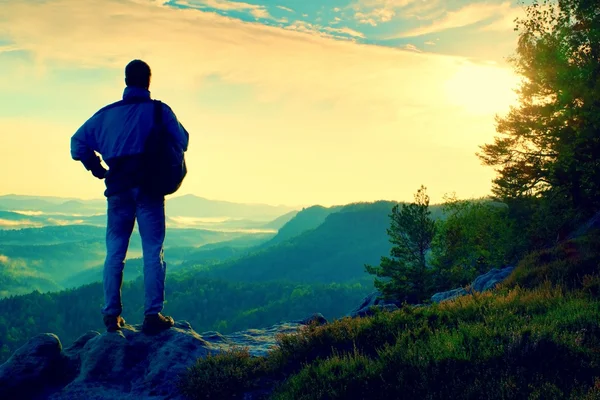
{"x":99,"y":172}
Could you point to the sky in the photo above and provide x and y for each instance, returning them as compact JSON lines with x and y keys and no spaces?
{"x":287,"y":101}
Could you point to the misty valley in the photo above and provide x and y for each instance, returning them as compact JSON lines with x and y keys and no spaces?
{"x":248,"y":266}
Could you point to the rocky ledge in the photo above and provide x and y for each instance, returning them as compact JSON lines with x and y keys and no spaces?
{"x":482,"y":283}
{"x":123,"y":365}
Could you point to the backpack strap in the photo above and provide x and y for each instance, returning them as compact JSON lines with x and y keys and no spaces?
{"x":158,"y":114}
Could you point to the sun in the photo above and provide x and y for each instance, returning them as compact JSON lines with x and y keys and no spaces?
{"x":484,"y":89}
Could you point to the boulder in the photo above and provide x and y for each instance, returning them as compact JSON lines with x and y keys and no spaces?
{"x":127,"y":364}
{"x":38,"y":364}
{"x":372,"y":302}
{"x":316,"y":318}
{"x":482,"y":283}
{"x":449,"y":295}
{"x":490,"y":279}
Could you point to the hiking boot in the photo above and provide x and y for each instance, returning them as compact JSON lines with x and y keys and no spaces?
{"x":113,"y":323}
{"x":157,"y":322}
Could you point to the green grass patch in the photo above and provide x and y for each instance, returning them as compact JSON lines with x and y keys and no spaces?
{"x":534,"y":338}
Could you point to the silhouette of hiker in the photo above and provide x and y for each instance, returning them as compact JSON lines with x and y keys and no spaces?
{"x":118,"y":132}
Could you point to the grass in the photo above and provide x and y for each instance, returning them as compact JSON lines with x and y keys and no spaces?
{"x":536,"y":337}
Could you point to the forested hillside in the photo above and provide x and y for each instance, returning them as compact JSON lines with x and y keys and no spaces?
{"x":225,"y":306}
{"x":334,"y":251}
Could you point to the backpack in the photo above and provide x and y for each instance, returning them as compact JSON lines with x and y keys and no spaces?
{"x":163,"y":161}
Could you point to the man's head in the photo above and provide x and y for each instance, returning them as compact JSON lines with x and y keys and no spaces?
{"x":137,"y":73}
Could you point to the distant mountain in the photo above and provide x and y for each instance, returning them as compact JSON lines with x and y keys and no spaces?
{"x":51,"y":204}
{"x":182,"y":212}
{"x":194,"y":206}
{"x":80,"y":207}
{"x":50,"y":235}
{"x":307,"y":219}
{"x":334,"y":251}
{"x":280,"y":222}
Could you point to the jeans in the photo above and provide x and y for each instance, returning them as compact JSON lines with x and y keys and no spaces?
{"x":123,"y":209}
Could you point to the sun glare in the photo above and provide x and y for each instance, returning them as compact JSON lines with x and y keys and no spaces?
{"x":483,"y":89}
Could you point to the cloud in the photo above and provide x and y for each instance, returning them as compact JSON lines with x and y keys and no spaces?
{"x":372,"y":12}
{"x":411,"y":47}
{"x":29,"y":213}
{"x":374,"y":16}
{"x":293,"y":111}
{"x":285,"y":9}
{"x":468,"y":15}
{"x":10,"y":263}
{"x":258,"y":11}
{"x":430,"y":43}
{"x":8,"y":48}
{"x":6,"y":223}
{"x":346,"y":31}
{"x":506,"y":23}
{"x":327,"y":31}
{"x":65,"y":222}
{"x":261,"y":13}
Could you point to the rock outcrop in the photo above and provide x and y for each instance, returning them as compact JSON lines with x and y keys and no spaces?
{"x":482,"y":283}
{"x":123,"y":365}
{"x":371,"y":302}
{"x":448,"y":295}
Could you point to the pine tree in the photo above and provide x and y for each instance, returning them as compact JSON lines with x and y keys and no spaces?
{"x":405,"y":272}
{"x":548,"y":145}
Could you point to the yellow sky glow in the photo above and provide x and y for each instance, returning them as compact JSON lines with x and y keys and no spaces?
{"x":306,"y":119}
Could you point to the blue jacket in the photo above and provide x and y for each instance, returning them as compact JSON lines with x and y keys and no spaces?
{"x":118,"y":134}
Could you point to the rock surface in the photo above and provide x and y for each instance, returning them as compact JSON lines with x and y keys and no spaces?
{"x":489,"y":280}
{"x":365,"y":308}
{"x":122,"y":365}
{"x":482,"y":283}
{"x":449,"y":295}
{"x":34,"y":364}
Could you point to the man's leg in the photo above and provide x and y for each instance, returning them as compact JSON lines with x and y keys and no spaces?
{"x":151,"y":223}
{"x":120,"y":222}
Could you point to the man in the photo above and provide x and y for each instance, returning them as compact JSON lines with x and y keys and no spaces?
{"x":118,"y":133}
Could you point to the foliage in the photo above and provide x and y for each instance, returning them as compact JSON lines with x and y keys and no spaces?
{"x":475,"y":237}
{"x":571,"y":264}
{"x":547,"y":146}
{"x":221,"y":375}
{"x":530,"y":339}
{"x":335,"y":251}
{"x":411,"y":232}
{"x":207,"y":304}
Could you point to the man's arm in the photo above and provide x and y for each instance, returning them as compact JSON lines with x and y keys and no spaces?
{"x":175,"y":129}
{"x":82,"y":151}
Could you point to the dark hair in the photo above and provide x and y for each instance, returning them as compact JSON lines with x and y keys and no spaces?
{"x":137,"y":73}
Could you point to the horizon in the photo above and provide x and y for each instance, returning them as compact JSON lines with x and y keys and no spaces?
{"x":285,"y":103}
{"x":289,"y":206}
